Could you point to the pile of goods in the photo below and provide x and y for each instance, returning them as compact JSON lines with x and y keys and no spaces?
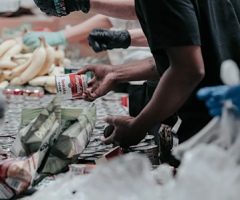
{"x":18,"y":66}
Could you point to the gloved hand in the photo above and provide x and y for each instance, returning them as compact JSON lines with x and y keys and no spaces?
{"x":62,"y":7}
{"x":214,"y":98}
{"x":233,"y":94}
{"x":53,"y":38}
{"x":103,"y":39}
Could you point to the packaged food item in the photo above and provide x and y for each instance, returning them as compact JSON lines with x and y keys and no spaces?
{"x":17,"y":174}
{"x":151,"y":152}
{"x":13,"y":90}
{"x":71,"y":86}
{"x":33,"y":91}
{"x":79,"y":169}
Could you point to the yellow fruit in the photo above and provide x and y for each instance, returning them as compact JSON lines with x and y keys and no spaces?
{"x":38,"y":81}
{"x":6,"y":45}
{"x":4,"y":84}
{"x":18,"y":70}
{"x":49,"y":59}
{"x":7,"y":63}
{"x":38,"y":59}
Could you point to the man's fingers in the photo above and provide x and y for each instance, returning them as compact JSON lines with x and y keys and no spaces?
{"x":108,"y":140}
{"x":103,"y":47}
{"x":86,"y":68}
{"x":96,"y":47}
{"x":92,"y":81}
{"x":110,"y":120}
{"x":94,"y":88}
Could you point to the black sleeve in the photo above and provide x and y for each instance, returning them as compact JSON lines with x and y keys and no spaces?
{"x":170,"y":23}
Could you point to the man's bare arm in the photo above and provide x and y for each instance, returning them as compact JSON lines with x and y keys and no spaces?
{"x":137,"y":71}
{"x":122,"y":9}
{"x":138,"y":38}
{"x":82,"y":30}
{"x":175,"y":87}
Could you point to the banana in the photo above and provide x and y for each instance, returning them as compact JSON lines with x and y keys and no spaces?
{"x":23,"y":56}
{"x":51,"y":69}
{"x":1,"y":76}
{"x":19,"y":61}
{"x":56,"y":71}
{"x":59,"y":55}
{"x":6,"y":45}
{"x":38,"y":81}
{"x":15,"y":81}
{"x":7,"y":75}
{"x":38,"y":59}
{"x":49,"y":59}
{"x":13,"y":50}
{"x":66,"y":62}
{"x":51,"y":89}
{"x":4,"y":84}
{"x":7,"y":63}
{"x":18,"y":70}
{"x":50,"y":81}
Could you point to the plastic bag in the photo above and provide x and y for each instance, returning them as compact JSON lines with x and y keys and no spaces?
{"x":206,"y":172}
{"x":125,"y":178}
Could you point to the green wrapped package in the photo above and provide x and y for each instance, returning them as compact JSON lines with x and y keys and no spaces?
{"x":73,"y":135}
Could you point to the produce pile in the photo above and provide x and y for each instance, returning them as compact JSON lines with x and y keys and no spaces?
{"x":19,"y":66}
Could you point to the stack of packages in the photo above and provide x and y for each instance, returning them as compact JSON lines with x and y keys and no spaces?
{"x":46,"y":144}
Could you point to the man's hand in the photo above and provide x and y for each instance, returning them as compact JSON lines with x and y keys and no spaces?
{"x":104,"y":80}
{"x":126,"y":132}
{"x":104,"y":39}
{"x":63,"y":7}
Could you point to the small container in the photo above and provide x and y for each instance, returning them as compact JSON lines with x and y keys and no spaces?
{"x":139,"y":145}
{"x":152,"y":153}
{"x":71,"y":86}
{"x":13,"y":90}
{"x":33,"y":91}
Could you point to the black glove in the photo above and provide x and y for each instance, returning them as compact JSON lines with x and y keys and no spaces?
{"x":62,"y":7}
{"x":103,"y":39}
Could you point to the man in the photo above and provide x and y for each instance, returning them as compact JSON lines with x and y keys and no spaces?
{"x":188,"y":39}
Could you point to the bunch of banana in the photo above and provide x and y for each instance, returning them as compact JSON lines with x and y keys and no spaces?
{"x":38,"y":68}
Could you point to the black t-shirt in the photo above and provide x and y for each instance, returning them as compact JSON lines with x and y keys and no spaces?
{"x":212,"y":24}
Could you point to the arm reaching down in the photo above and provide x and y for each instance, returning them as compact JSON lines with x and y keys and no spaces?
{"x":175,"y":87}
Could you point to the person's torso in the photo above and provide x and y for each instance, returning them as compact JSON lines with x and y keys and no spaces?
{"x":218,"y":22}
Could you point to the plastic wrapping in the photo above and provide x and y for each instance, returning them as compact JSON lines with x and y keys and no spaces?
{"x":125,"y":178}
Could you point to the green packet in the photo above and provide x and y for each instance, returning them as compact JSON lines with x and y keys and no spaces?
{"x":68,"y":116}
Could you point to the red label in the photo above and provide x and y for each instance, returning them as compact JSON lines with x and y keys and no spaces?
{"x":20,"y":92}
{"x":77,"y":85}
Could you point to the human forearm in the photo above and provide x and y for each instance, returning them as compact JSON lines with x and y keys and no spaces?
{"x":136,"y":71}
{"x":122,"y":9}
{"x":138,"y":38}
{"x":81,"y":31}
{"x":173,"y":90}
{"x":175,"y":86}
